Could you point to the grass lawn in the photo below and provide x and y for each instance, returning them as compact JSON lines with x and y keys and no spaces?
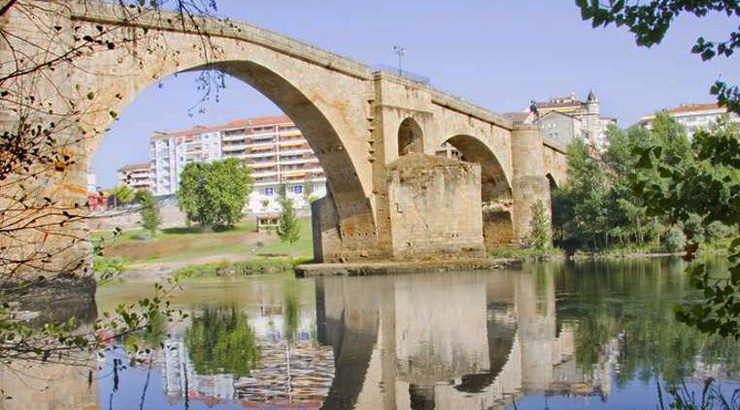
{"x":184,"y":244}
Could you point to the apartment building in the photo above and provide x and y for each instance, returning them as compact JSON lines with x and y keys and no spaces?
{"x":272,"y":147}
{"x":278,"y":154}
{"x":136,"y":176}
{"x":695,"y":117}
{"x":170,"y":152}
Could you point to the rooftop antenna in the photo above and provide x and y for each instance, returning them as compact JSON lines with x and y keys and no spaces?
{"x":400,"y":50}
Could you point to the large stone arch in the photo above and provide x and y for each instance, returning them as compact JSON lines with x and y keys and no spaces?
{"x":498,"y":228}
{"x":326,"y":101}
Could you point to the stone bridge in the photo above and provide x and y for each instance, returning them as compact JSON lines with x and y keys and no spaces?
{"x":375,"y":133}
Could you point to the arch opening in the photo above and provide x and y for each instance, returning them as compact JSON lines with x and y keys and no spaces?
{"x":346,"y":197}
{"x":498,"y":227}
{"x":410,"y":138}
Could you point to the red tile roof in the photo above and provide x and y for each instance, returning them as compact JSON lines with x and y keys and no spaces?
{"x":245,"y":122}
{"x":129,"y":167}
{"x":693,"y":108}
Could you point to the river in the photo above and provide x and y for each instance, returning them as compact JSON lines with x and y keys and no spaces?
{"x":551,"y":335}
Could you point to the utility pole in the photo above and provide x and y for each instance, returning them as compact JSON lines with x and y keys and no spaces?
{"x":400,"y":51}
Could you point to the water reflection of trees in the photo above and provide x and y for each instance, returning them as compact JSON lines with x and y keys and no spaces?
{"x":220,"y":340}
{"x":631,"y":302}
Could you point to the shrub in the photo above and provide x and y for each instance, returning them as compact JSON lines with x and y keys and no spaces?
{"x":717,"y":231}
{"x":541,"y":235}
{"x":675,"y":240}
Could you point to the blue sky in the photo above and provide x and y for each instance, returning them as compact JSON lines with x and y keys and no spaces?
{"x":496,"y":53}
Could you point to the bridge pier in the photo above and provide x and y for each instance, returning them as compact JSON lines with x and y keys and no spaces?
{"x":529,"y":183}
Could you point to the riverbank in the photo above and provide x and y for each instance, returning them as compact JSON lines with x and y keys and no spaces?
{"x":631,"y":252}
{"x":407,"y":267}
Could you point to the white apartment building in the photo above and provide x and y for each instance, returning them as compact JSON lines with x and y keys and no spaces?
{"x":169,"y":152}
{"x":273,"y":148}
{"x":694,"y":117}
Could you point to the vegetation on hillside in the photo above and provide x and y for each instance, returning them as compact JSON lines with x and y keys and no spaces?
{"x":599,"y":209}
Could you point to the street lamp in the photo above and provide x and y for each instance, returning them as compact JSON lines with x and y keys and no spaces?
{"x":400,"y":50}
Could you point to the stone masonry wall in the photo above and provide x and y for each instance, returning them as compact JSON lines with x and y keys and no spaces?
{"x":498,"y":230}
{"x":435,"y":208}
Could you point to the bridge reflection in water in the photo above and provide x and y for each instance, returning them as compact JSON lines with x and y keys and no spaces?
{"x":444,"y":341}
{"x":447,"y":341}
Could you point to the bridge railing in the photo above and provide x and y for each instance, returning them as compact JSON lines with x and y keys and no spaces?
{"x":409,"y":75}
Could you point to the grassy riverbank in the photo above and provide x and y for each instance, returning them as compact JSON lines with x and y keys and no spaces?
{"x":191,"y":245}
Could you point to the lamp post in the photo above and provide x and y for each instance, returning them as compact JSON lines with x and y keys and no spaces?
{"x":400,"y":51}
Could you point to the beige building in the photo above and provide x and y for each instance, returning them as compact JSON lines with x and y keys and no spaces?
{"x":278,"y":154}
{"x":586,"y":123}
{"x":694,"y":117}
{"x":136,"y":176}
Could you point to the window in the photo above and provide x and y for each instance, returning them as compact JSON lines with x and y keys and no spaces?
{"x":298,"y":189}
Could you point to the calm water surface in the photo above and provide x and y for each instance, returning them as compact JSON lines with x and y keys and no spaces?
{"x":553,"y":335}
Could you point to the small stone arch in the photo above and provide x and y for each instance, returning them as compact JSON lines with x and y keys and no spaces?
{"x":553,"y":182}
{"x":498,"y":226}
{"x":410,"y":137}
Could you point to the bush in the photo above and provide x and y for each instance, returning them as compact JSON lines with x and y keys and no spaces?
{"x":716,"y":231}
{"x":675,"y":240}
{"x":541,"y":235}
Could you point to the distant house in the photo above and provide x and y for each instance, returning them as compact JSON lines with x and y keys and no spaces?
{"x":136,"y":176}
{"x":694,"y":117}
{"x":565,"y":119}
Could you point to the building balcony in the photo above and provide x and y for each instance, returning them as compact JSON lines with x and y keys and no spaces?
{"x":296,"y":151}
{"x":295,"y":161}
{"x":261,"y":145}
{"x":235,"y":147}
{"x":263,"y":165}
{"x":261,"y":154}
{"x":294,"y":143}
{"x":235,"y":137}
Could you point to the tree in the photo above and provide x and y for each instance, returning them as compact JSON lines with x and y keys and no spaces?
{"x":541,"y":235}
{"x":650,"y":20}
{"x":43,"y":128}
{"x":708,"y":186}
{"x":289,"y":230}
{"x":122,"y":195}
{"x":581,"y":205}
{"x":149,"y":211}
{"x":214,"y":194}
